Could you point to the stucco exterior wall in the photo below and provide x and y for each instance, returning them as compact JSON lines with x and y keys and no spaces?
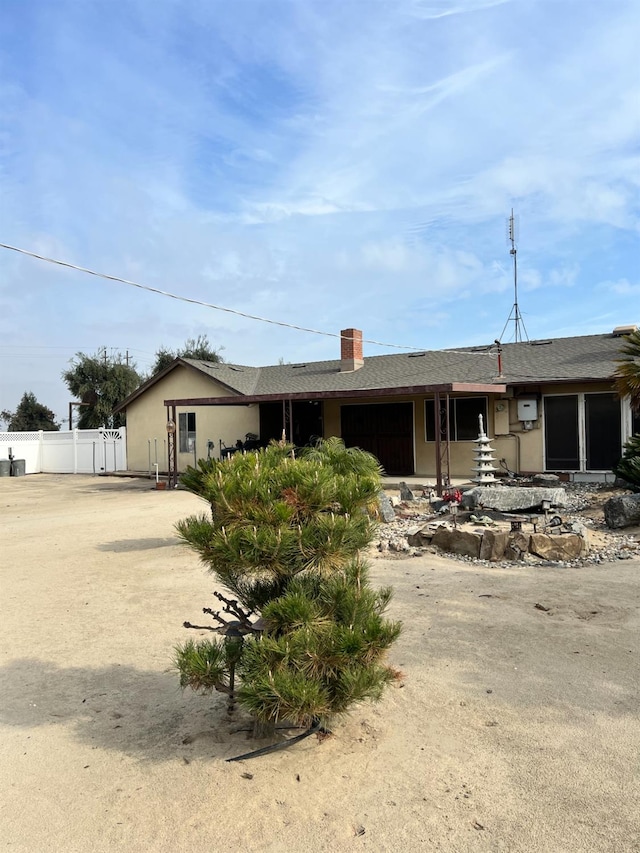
{"x":147,"y":417}
{"x":521,"y":448}
{"x":461,"y":452}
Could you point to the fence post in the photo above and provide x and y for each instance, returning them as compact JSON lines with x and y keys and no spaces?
{"x":40,"y":449}
{"x":123,"y":465}
{"x":75,"y":451}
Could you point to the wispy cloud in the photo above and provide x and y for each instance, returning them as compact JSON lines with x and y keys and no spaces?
{"x":621,"y":287}
{"x":430,"y":10}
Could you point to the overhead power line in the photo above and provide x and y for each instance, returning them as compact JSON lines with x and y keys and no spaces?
{"x":192,"y":301}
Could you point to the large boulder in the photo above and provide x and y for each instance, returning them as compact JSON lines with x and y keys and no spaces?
{"x":457,"y":541}
{"x":565,"y":546}
{"x":622,"y":511}
{"x":385,"y":508}
{"x":512,"y":498}
{"x":405,"y":492}
{"x":493,"y":545}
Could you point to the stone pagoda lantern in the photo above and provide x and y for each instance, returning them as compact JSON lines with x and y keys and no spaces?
{"x":484,"y":467}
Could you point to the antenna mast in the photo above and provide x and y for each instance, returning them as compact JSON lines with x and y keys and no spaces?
{"x":515,"y":314}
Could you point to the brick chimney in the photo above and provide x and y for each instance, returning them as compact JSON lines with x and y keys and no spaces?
{"x":350,"y":350}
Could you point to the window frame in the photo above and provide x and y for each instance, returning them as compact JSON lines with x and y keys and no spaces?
{"x":453,"y":417}
{"x":185,"y":434}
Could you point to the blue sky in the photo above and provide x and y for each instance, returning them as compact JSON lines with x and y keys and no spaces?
{"x":326,"y":163}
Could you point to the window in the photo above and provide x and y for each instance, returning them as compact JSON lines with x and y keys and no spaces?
{"x":463,"y":418}
{"x":582,"y":432}
{"x":187,"y":431}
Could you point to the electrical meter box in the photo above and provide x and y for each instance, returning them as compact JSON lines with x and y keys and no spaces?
{"x":527,"y":410}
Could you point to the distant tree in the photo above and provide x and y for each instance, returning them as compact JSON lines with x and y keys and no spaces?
{"x":199,"y":348}
{"x":627,"y":373}
{"x":100,"y":382}
{"x":29,"y":416}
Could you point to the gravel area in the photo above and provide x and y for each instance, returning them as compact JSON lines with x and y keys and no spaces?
{"x":583,"y":507}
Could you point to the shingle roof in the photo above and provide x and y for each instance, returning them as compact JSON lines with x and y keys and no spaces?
{"x":237,"y":377}
{"x":587,"y":358}
{"x":579,"y":359}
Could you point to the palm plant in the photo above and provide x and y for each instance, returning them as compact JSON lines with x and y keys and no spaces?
{"x":627,"y":373}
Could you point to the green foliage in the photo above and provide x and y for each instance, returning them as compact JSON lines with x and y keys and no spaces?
{"x":628,"y":468}
{"x":273,"y":516}
{"x":202,"y":666}
{"x":285,"y":536}
{"x":100,"y":382}
{"x":627,"y":373}
{"x":197,"y":348}
{"x":30,"y":416}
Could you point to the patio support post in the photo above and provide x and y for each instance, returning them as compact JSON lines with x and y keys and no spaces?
{"x":443,"y":458}
{"x":172,"y":462}
{"x":290,"y":422}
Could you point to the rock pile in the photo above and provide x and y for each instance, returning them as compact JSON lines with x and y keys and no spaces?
{"x":413,"y":532}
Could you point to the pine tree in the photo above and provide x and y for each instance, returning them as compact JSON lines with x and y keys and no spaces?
{"x":307,"y":637}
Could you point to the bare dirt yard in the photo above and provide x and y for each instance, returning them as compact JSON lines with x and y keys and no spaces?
{"x":517,"y":727}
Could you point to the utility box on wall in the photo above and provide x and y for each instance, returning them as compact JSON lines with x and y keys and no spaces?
{"x":527,"y":410}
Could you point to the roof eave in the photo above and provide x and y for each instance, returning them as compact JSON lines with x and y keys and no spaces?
{"x":247,"y":399}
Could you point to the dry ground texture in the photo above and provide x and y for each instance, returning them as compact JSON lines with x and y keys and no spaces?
{"x":516,"y":729}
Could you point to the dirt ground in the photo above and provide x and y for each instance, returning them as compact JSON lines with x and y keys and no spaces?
{"x":517,"y":727}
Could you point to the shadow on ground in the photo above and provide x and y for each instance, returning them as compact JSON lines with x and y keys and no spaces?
{"x":150,"y":544}
{"x":140,"y":713}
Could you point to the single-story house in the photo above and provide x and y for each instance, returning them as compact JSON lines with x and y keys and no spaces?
{"x":548,"y":406}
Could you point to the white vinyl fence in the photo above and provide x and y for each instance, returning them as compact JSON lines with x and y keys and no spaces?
{"x":78,"y":451}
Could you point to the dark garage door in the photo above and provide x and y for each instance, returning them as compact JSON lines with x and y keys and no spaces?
{"x":384,"y":429}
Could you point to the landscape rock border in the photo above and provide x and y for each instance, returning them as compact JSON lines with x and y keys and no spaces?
{"x":496,"y":545}
{"x":405,"y":536}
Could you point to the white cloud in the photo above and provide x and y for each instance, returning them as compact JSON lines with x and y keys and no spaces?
{"x":621,"y":287}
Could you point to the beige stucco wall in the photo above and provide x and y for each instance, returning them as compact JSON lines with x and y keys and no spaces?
{"x":147,"y":417}
{"x":522,"y":449}
{"x":461,"y":452}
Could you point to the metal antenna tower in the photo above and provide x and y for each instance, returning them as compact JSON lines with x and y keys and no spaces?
{"x":515,"y":316}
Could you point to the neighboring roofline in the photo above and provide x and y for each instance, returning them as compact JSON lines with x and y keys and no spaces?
{"x":158,"y":376}
{"x":247,"y":399}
